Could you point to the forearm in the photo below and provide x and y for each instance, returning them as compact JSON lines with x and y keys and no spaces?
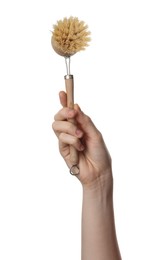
{"x":99,"y":240}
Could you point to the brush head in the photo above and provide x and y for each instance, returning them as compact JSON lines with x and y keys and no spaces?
{"x":69,"y":36}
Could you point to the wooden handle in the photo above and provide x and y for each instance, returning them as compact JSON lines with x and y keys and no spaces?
{"x":69,"y":82}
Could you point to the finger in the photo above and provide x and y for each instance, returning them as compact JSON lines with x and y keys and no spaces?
{"x":64,"y":114}
{"x":85,"y":123}
{"x":70,"y":140}
{"x":66,"y":127}
{"x":63,"y":98}
{"x":77,"y":107}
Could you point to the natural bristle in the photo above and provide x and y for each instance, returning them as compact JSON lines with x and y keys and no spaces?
{"x":70,"y":36}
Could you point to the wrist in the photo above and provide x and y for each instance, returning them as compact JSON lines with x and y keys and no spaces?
{"x":100,"y":188}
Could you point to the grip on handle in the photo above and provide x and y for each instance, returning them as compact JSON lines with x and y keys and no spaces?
{"x":69,"y":82}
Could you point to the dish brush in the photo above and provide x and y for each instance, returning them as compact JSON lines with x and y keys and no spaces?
{"x":70,"y":36}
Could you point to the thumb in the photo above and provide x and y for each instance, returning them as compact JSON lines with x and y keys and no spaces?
{"x":86,"y":123}
{"x":77,"y":107}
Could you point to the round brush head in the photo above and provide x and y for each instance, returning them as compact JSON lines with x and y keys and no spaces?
{"x":69,"y":36}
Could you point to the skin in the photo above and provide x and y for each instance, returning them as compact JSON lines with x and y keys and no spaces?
{"x":99,"y":241}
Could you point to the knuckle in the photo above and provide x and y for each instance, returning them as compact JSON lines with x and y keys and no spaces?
{"x":53,"y":125}
{"x":55,"y":117}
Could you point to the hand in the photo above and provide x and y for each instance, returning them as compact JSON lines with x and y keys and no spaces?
{"x":94,"y":159}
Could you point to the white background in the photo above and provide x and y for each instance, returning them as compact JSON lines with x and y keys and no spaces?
{"x":118,"y":82}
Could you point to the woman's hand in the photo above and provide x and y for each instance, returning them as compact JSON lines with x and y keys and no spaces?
{"x":94,"y":159}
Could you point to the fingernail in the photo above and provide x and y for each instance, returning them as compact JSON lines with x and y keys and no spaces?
{"x":82,"y":147}
{"x":79,"y":132}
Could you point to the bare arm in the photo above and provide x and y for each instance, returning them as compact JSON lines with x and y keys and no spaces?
{"x":99,"y":240}
{"x":98,"y":228}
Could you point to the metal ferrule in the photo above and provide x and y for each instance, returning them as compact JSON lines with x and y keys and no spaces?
{"x":68,"y":77}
